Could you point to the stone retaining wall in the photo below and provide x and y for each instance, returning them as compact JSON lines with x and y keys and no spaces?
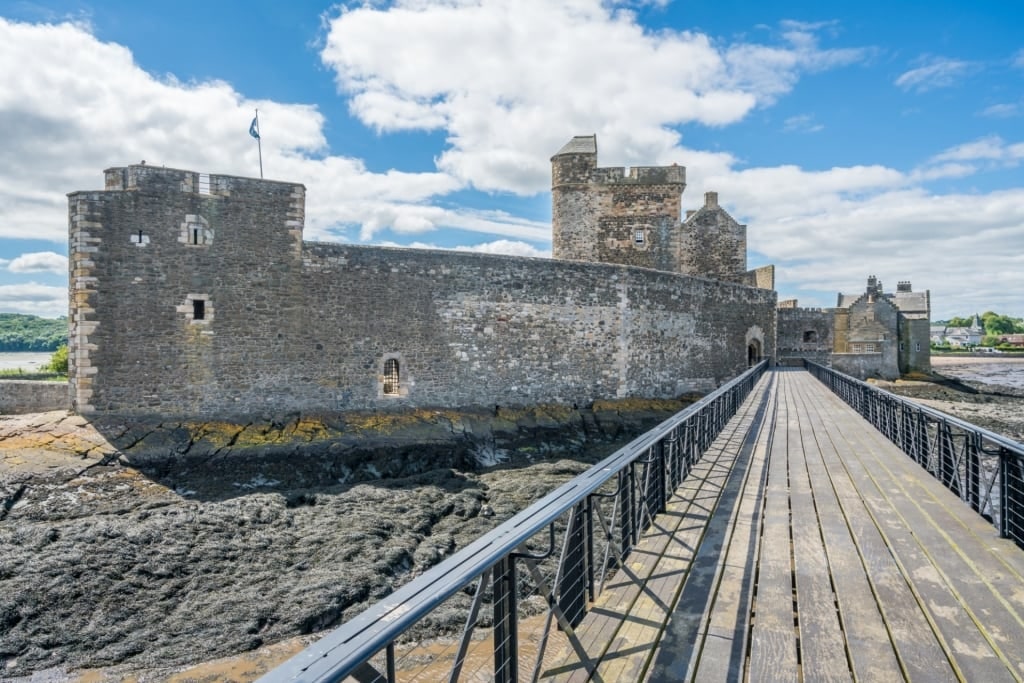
{"x":19,"y":396}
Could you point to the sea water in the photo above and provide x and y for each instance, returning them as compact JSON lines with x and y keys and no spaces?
{"x":29,"y":361}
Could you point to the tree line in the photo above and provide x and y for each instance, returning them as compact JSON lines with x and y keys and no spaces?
{"x":994,"y":323}
{"x":21,"y":332}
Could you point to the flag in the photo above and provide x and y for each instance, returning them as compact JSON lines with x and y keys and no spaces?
{"x":254,"y":129}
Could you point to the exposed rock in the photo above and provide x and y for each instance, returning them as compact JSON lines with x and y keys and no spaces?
{"x":145,"y":545}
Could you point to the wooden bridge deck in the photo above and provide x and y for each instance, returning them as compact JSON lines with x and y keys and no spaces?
{"x":808,"y":547}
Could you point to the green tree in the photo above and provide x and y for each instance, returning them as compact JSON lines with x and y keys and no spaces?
{"x":997,"y":324}
{"x":59,"y":360}
{"x":19,"y":332}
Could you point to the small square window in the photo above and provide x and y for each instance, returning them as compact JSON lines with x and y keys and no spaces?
{"x":638,"y":236}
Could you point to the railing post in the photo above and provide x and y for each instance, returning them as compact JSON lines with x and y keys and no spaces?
{"x":947,"y":473}
{"x":506,"y":646}
{"x":1011,"y":517}
{"x":626,"y":507}
{"x":972,"y":466}
{"x":572,"y":584}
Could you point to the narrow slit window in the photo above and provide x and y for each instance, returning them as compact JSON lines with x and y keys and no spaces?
{"x":198,"y":309}
{"x":391,"y":377}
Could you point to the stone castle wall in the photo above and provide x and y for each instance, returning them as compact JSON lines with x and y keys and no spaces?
{"x":195,"y":295}
{"x":805,"y":333}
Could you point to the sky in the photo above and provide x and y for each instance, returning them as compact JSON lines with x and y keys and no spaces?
{"x":853,"y":139}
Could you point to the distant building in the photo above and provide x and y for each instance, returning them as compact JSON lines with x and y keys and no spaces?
{"x":962,"y":337}
{"x":871,"y":334}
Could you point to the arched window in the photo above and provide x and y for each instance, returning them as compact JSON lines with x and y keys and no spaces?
{"x":391,"y":376}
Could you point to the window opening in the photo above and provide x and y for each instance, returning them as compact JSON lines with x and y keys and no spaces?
{"x":391,"y":376}
{"x":195,"y":235}
{"x":810,"y":337}
{"x":638,"y":236}
{"x":198,"y":309}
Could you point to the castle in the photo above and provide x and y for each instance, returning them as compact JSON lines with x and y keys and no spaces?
{"x":195,"y":294}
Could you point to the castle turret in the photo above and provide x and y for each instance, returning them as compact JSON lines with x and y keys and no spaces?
{"x":608,"y":215}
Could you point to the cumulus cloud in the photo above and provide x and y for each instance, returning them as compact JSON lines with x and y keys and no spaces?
{"x":34,"y":298}
{"x":39,"y":262}
{"x":934,"y":72}
{"x":499,"y":79}
{"x":76,"y":105}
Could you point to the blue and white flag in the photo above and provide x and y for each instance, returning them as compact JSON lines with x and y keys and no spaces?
{"x":254,"y":129}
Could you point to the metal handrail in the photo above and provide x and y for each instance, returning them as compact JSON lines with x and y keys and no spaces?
{"x":985,"y":469}
{"x":671,"y":449}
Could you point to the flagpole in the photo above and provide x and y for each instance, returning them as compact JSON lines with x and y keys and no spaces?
{"x":259,"y":142}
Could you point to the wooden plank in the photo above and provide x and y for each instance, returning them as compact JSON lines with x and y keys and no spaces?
{"x":642,"y":630}
{"x":773,"y":655}
{"x":822,"y":643}
{"x":868,"y":644}
{"x":688,"y":509}
{"x":681,"y":646}
{"x":967,"y":592}
{"x":918,"y":648}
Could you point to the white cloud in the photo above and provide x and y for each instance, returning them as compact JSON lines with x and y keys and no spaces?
{"x":504,"y":247}
{"x":509,"y":248}
{"x":934,"y":72}
{"x":1018,"y":59}
{"x":991,"y":150}
{"x":42,"y":300}
{"x":76,"y":105}
{"x":1003,"y":110}
{"x":499,"y":78}
{"x":802,"y":123}
{"x":39,"y":262}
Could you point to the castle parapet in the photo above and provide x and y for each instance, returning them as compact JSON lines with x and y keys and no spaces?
{"x":140,"y":177}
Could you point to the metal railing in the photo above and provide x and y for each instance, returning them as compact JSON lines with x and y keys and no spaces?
{"x":985,"y":469}
{"x":478,"y":615}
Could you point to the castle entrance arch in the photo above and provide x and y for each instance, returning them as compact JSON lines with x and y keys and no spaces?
{"x":755,"y":345}
{"x":754,"y":353}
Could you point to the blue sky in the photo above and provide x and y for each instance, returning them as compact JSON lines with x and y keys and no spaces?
{"x":854,"y":139}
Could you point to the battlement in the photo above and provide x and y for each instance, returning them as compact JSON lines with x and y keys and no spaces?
{"x":140,"y":177}
{"x":576,"y":164}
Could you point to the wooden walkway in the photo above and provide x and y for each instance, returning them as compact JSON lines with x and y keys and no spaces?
{"x":807,"y":547}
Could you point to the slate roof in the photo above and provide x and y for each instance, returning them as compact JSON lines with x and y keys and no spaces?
{"x":581,"y":144}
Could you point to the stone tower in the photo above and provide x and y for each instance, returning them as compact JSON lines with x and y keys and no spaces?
{"x":606,"y":215}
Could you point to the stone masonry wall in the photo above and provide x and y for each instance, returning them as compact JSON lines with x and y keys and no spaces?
{"x":611,"y":216}
{"x":713,"y":244}
{"x":18,"y":396}
{"x":251,"y":320}
{"x":805,"y":333}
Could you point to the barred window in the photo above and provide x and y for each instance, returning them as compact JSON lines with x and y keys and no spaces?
{"x":391,"y":376}
{"x":638,"y":236}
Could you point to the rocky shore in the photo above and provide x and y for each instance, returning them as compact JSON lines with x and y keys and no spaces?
{"x":986,"y":392}
{"x":130,"y":551}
